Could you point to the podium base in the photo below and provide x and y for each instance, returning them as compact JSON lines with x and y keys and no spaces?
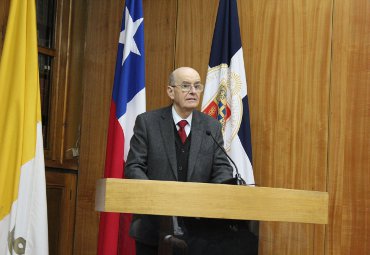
{"x":219,"y":236}
{"x":227,"y":241}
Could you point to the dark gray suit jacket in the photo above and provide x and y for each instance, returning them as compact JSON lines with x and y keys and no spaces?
{"x":152,"y":156}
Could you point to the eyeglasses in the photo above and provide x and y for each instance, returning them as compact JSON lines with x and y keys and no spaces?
{"x":186,"y":87}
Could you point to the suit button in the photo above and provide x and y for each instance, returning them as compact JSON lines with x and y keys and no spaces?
{"x":180,"y":168}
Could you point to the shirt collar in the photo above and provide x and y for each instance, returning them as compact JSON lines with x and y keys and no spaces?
{"x":177,"y":118}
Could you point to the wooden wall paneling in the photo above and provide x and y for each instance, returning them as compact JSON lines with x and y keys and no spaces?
{"x":61,"y":198}
{"x":160,"y":32}
{"x":4,"y":12}
{"x":74,"y":93}
{"x":195,"y":25}
{"x":287,"y":58}
{"x":349,"y":147}
{"x":59,"y":85}
{"x":101,"y":40}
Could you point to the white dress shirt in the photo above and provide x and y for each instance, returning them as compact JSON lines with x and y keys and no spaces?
{"x":177,"y":118}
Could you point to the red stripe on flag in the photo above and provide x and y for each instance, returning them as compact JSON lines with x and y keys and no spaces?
{"x":114,"y":167}
{"x":114,"y":227}
{"x":126,"y":244}
{"x":108,"y":233}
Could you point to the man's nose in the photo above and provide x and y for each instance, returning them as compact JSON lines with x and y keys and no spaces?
{"x":192,"y":89}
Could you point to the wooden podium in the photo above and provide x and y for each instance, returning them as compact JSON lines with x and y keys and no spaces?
{"x":211,"y":201}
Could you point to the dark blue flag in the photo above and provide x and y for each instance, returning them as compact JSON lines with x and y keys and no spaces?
{"x":225,"y":96}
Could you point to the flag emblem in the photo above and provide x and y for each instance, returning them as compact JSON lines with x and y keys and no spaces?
{"x":226,"y":103}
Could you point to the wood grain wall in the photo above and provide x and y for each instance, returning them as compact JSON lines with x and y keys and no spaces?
{"x":288,"y":68}
{"x":349,"y":144}
{"x":101,"y":37}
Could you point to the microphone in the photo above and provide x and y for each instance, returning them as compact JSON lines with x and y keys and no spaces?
{"x":239,"y":179}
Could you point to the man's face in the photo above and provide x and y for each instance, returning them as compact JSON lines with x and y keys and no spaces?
{"x":185,"y":102}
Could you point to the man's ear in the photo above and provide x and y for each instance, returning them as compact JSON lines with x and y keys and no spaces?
{"x":171,"y":92}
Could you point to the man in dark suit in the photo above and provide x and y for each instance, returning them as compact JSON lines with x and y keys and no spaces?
{"x":171,"y":144}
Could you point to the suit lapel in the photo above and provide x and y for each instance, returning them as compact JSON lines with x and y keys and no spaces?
{"x":196,"y":140}
{"x":168,"y":136}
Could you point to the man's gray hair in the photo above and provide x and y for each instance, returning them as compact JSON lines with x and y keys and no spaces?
{"x":172,"y":79}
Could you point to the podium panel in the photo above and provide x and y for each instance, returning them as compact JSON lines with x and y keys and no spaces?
{"x":211,"y":201}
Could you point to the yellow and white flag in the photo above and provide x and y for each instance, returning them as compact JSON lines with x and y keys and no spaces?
{"x":23,"y":212}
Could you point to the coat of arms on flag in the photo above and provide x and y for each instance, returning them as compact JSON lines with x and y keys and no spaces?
{"x":226,"y":104}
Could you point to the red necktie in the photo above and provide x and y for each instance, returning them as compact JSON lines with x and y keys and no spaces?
{"x":181,"y":130}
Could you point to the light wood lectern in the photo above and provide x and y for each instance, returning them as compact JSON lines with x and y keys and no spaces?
{"x":211,"y":201}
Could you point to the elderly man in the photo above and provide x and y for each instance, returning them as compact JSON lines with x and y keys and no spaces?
{"x":171,"y":144}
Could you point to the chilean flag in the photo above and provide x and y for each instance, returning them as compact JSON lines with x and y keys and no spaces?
{"x":128,"y":101}
{"x":225,"y":96}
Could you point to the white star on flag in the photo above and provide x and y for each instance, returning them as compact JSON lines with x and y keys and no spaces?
{"x":126,"y":37}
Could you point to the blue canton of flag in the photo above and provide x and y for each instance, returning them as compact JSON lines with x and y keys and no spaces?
{"x":129,"y":76}
{"x":225,"y":96}
{"x":128,"y":101}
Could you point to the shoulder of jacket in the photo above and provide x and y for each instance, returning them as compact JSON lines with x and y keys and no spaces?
{"x":155,"y":113}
